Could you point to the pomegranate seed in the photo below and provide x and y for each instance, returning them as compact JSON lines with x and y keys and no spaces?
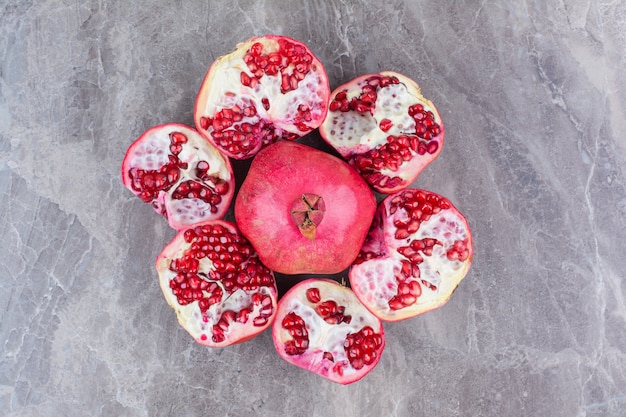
{"x":385,"y":125}
{"x":313,"y":295}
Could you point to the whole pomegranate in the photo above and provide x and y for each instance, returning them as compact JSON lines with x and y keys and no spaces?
{"x":385,"y":128}
{"x":417,"y":251}
{"x":303,"y":210}
{"x":221,"y":292}
{"x":321,"y":326}
{"x":269,"y":88}
{"x":177,"y":171}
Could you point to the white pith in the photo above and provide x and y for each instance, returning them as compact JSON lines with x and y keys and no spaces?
{"x":190,"y":316}
{"x":377,"y":282}
{"x":225,"y":91}
{"x":324,"y":337}
{"x":152,"y":152}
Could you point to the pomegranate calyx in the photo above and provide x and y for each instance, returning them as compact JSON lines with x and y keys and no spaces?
{"x":308,"y":212}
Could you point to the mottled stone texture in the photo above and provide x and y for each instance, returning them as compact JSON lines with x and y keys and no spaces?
{"x":533,"y":95}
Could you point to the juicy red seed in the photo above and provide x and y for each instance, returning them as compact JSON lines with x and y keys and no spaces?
{"x":178,"y":138}
{"x":266,"y":103}
{"x":313,"y":295}
{"x":385,"y":125}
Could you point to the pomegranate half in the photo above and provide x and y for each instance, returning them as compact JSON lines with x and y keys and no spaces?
{"x":417,"y":251}
{"x":320,"y":326}
{"x":184,"y":177}
{"x":220,"y":290}
{"x":269,"y":88}
{"x":385,"y":128}
{"x":303,"y":210}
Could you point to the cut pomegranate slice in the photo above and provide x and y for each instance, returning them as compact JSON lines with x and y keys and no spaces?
{"x":320,"y":326}
{"x":417,"y":251}
{"x":183,"y":176}
{"x":385,"y":128}
{"x":212,"y":277}
{"x":269,"y":88}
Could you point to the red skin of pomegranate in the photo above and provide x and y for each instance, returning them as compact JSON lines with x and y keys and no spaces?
{"x":383,"y":126}
{"x":184,"y":177}
{"x":320,"y":326}
{"x":416,"y":253}
{"x":211,"y":276}
{"x":269,"y":88}
{"x":269,"y":209}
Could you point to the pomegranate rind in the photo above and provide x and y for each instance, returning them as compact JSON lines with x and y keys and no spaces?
{"x":324,"y":337}
{"x":222,"y":88}
{"x":151,"y":150}
{"x":376,"y":274}
{"x":190,"y":316}
{"x":279,"y":175}
{"x":353,"y":133}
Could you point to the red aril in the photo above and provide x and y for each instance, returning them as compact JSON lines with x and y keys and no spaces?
{"x":173,"y":168}
{"x":221,"y":292}
{"x":320,"y":326}
{"x":417,"y":251}
{"x":385,"y":128}
{"x":268,"y":88}
{"x":304,"y":211}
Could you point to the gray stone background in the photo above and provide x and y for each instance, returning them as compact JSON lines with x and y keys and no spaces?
{"x":533,"y":95}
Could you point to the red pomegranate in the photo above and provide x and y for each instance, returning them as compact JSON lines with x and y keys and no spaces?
{"x":385,"y":128}
{"x":173,"y":168}
{"x":320,"y":326}
{"x":269,"y":88}
{"x":417,"y":251}
{"x":303,"y":210}
{"x":221,"y":292}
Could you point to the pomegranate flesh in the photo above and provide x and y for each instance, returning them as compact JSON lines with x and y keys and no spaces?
{"x":268,"y":88}
{"x":184,"y":177}
{"x":221,"y":292}
{"x":383,"y":126}
{"x":303,"y":210}
{"x":321,"y":326}
{"x":417,"y":251}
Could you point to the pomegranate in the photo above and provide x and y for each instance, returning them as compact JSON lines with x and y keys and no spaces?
{"x":183,"y":176}
{"x":417,"y":251}
{"x":321,"y":326}
{"x":268,"y":88}
{"x":303,"y":210}
{"x":385,"y":128}
{"x":212,"y":277}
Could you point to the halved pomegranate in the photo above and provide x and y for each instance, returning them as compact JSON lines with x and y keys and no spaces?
{"x":183,"y":176}
{"x":417,"y":251}
{"x":269,"y":88}
{"x":321,"y":327}
{"x":305,"y":211}
{"x":384,"y":127}
{"x":212,"y":277}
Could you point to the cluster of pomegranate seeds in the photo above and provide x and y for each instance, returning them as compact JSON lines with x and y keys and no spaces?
{"x":362,"y":347}
{"x":234,"y":266}
{"x":149,"y":182}
{"x":329,"y":310}
{"x":425,"y":125}
{"x":277,"y":63}
{"x":300,"y":337}
{"x":241,"y":137}
{"x":366,"y":101}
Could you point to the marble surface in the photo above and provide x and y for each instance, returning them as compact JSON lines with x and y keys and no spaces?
{"x":533,"y":95}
